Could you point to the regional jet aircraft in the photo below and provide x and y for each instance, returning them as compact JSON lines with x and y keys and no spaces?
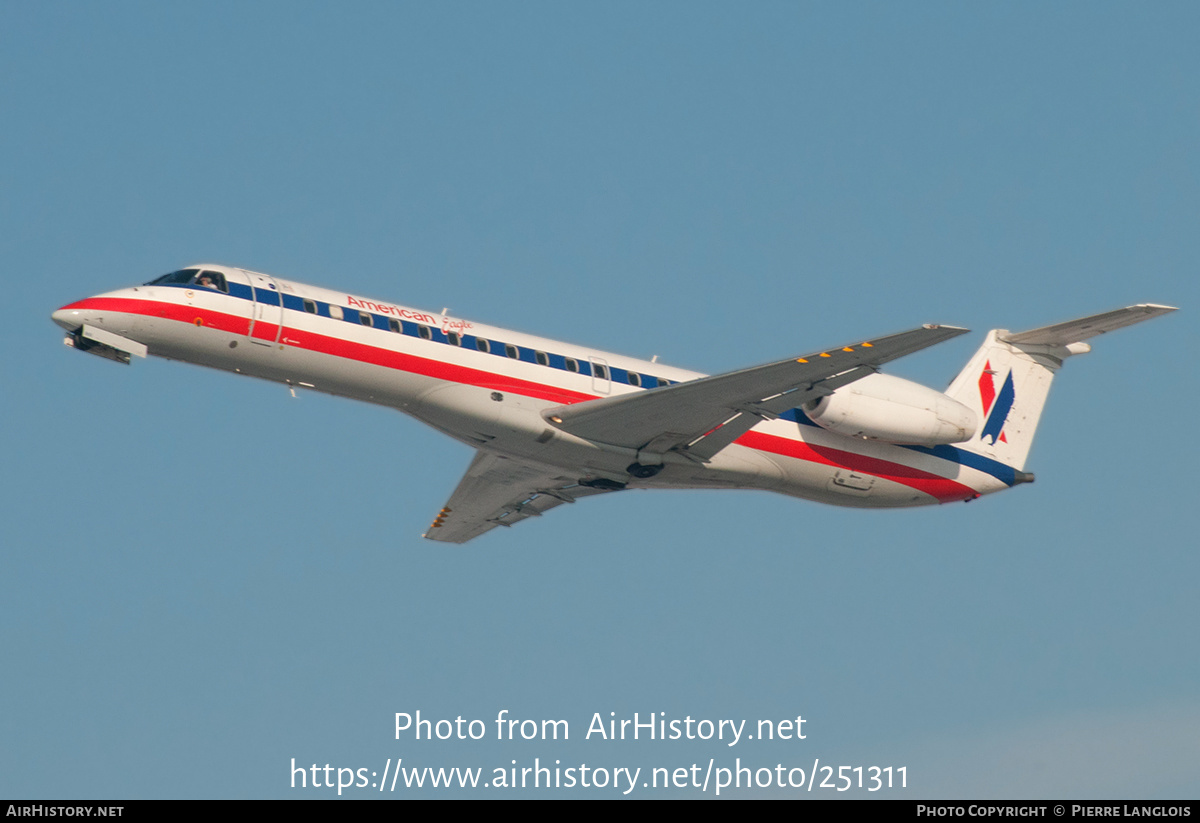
{"x":553,"y":422}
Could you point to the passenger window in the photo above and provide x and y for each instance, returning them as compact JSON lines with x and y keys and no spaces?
{"x":511,"y":351}
{"x":310,"y":306}
{"x":425,"y":333}
{"x":635,"y":379}
{"x":366,"y":319}
{"x":335,"y":312}
{"x":541,"y":358}
{"x":600,"y":371}
{"x":663,"y":382}
{"x":453,"y":338}
{"x":395,"y":326}
{"x":572,"y":365}
{"x":482,"y":344}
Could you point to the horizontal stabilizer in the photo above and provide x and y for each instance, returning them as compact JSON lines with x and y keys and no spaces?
{"x":1076,"y":331}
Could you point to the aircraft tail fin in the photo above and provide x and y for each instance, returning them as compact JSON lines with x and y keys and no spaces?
{"x":1008,"y":379}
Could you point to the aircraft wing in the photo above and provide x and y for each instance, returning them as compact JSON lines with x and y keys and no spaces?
{"x":700,"y":417}
{"x":501,"y":491}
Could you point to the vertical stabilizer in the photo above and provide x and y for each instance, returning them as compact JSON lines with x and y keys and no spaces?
{"x":1008,"y":379}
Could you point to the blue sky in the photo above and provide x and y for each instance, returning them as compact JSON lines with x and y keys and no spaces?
{"x":205,"y":578}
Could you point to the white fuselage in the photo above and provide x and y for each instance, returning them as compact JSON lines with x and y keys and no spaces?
{"x":488,"y":387}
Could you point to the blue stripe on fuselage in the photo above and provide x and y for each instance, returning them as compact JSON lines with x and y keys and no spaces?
{"x":1005,"y":474}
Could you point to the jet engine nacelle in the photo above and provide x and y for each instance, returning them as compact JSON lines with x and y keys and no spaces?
{"x":894,"y":410}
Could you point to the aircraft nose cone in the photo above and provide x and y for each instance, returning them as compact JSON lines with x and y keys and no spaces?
{"x":70,"y":319}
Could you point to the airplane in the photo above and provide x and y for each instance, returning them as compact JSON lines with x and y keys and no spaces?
{"x":553,"y":422}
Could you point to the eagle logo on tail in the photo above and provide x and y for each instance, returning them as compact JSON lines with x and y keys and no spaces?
{"x":995,"y":406}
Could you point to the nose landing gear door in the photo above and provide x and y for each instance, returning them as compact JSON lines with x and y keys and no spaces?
{"x":266,"y":318}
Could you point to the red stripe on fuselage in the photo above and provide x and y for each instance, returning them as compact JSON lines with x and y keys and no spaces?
{"x":940,"y":488}
{"x":167,"y":311}
{"x":363,"y":353}
{"x":936,"y":486}
{"x":338,"y":347}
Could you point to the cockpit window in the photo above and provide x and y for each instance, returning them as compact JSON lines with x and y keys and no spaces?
{"x":212,"y":280}
{"x":205,"y":279}
{"x":180,"y":278}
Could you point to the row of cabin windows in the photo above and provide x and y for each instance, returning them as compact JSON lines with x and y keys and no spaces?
{"x":484,"y":345}
{"x":216,"y":281}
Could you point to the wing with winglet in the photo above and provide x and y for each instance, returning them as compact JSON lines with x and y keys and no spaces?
{"x":700,"y":417}
{"x":501,"y":491}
